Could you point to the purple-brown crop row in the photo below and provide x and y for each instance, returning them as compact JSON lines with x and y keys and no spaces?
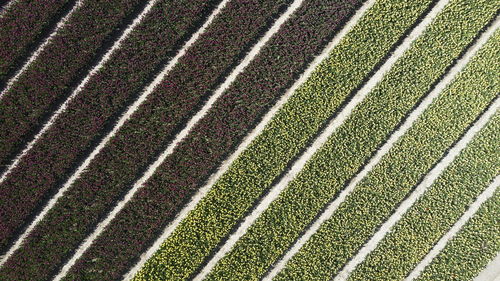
{"x":48,"y":81}
{"x":21,"y":27}
{"x":117,"y":166}
{"x":217,"y":134}
{"x":90,"y":114}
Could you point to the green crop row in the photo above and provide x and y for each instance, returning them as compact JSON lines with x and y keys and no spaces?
{"x":348,"y":149}
{"x":403,"y":167}
{"x":253,"y":173}
{"x":477,"y":243}
{"x":437,"y":210}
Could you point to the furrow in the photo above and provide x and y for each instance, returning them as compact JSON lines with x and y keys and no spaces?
{"x":84,"y":167}
{"x":439,"y":127}
{"x":111,"y":189}
{"x":251,"y":175}
{"x":42,"y":88}
{"x":202,"y":45}
{"x":25,"y":29}
{"x":260,"y":75}
{"x":330,"y":209}
{"x":427,"y":184}
{"x":470,"y":244}
{"x":91,"y":114}
{"x":491,"y":272}
{"x":320,"y":141}
{"x":151,"y":169}
{"x":10,"y":181}
{"x":193,"y":150}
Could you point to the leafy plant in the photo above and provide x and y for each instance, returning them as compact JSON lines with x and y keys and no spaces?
{"x":286,"y":135}
{"x":376,"y":197}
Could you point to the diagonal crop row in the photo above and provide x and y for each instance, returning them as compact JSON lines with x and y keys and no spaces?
{"x":492,"y":268}
{"x":231,"y":117}
{"x":437,"y":210}
{"x":90,"y":114}
{"x":48,"y":80}
{"x":472,"y":248}
{"x":348,"y":148}
{"x":254,"y":171}
{"x":22,"y":26}
{"x":377,"y":195}
{"x":101,"y":185}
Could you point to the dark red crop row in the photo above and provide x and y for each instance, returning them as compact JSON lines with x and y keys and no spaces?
{"x":88,"y":116}
{"x":21,"y":26}
{"x":48,"y":81}
{"x":112,"y":172}
{"x":213,"y":139}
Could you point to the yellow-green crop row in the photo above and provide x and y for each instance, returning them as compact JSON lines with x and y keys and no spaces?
{"x":348,"y":149}
{"x":437,"y":210}
{"x":470,"y":251}
{"x":253,"y":173}
{"x":402,"y":168}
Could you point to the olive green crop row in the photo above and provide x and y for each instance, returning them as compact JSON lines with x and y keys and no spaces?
{"x":376,"y":197}
{"x":348,"y":149}
{"x":437,"y":210}
{"x":254,"y":171}
{"x":476,"y":244}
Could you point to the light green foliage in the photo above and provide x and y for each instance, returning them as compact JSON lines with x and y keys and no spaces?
{"x":470,"y":251}
{"x":286,"y":135}
{"x":437,"y":210}
{"x":402,"y":168}
{"x":353,"y":143}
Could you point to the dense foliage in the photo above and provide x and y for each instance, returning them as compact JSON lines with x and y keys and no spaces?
{"x":82,"y":206}
{"x":51,"y":77}
{"x":214,"y":136}
{"x":88,"y":115}
{"x":470,"y":251}
{"x":21,"y":28}
{"x":267,"y":157}
{"x":437,"y":210}
{"x":348,"y":149}
{"x":99,"y":150}
{"x":390,"y":181}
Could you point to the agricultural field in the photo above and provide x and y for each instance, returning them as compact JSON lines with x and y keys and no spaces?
{"x":249,"y":140}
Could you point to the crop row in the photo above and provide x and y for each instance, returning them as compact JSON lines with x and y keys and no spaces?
{"x":254,"y":171}
{"x":21,"y":27}
{"x":49,"y":79}
{"x":437,"y":210}
{"x":215,"y":136}
{"x":477,"y":243}
{"x":93,"y":111}
{"x":377,"y":195}
{"x":226,"y":39}
{"x":347,"y":149}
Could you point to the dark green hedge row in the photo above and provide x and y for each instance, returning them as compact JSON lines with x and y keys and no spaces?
{"x":117,"y":166}
{"x":93,"y":112}
{"x":348,"y":149}
{"x":21,"y":28}
{"x":477,"y":243}
{"x":215,"y":136}
{"x":49,"y":80}
{"x":437,"y":210}
{"x":286,"y":135}
{"x":411,"y":158}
